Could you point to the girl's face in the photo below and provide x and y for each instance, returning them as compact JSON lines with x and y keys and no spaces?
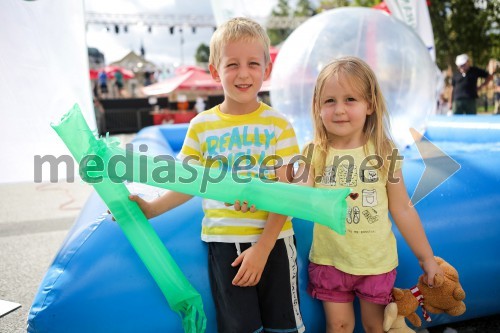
{"x":343,"y":112}
{"x":241,"y":71}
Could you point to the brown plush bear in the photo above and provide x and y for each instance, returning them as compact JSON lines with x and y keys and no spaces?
{"x":394,"y":322}
{"x":446,"y":296}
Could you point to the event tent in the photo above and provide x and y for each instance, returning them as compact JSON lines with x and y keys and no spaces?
{"x":186,"y":78}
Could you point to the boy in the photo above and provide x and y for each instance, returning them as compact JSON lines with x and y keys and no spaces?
{"x":252,"y":258}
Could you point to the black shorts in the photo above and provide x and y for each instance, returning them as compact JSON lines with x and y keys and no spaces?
{"x":270,"y":306}
{"x":104,"y":88}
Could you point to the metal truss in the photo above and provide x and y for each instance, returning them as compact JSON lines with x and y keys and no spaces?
{"x":179,"y":21}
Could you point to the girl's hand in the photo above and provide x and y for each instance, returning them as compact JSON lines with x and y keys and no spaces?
{"x":252,"y":260}
{"x":431,"y":269}
{"x":243,"y":208}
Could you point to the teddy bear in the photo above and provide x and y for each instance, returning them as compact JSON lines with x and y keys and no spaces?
{"x":394,"y":322}
{"x":446,"y":296}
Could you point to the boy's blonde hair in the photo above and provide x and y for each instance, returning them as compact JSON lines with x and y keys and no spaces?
{"x":237,"y":29}
{"x":359,"y":76}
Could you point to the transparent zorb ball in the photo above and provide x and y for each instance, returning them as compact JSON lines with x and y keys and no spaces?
{"x":401,"y":61}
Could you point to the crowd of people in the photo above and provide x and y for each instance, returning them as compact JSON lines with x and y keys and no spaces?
{"x":114,"y":84}
{"x":107,"y":87}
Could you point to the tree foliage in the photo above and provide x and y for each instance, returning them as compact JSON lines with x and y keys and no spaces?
{"x":459,"y":26}
{"x":330,"y":4}
{"x":365,"y":3}
{"x":278,"y":35}
{"x":304,"y":8}
{"x":283,"y":9}
{"x":465,"y":26}
{"x":202,"y":53}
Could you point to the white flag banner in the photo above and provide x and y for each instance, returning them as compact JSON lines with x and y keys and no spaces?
{"x":416,"y":14}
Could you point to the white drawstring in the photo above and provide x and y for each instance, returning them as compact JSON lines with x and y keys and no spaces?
{"x":238,"y":247}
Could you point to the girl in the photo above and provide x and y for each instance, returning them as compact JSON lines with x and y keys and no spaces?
{"x":352,"y":148}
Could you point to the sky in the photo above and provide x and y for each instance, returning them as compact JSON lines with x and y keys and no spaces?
{"x":160,"y":46}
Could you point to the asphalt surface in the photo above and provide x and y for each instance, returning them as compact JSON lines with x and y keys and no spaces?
{"x":34,"y":221}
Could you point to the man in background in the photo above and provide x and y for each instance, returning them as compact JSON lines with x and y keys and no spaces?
{"x":464,"y":86}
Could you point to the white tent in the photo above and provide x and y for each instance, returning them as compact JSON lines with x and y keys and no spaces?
{"x":44,"y":71}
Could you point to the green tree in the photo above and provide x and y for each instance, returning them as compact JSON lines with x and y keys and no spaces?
{"x":438,"y":15}
{"x":459,"y":26}
{"x":278,"y":35}
{"x":304,"y":8}
{"x":330,"y":4}
{"x":465,"y":26}
{"x":202,"y":53}
{"x":365,"y":3}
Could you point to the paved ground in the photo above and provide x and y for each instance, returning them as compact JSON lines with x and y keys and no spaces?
{"x":34,"y":221}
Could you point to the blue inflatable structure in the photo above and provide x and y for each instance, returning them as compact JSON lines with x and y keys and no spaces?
{"x":98,"y":284}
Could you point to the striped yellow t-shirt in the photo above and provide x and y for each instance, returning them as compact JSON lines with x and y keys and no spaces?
{"x":263,"y":135}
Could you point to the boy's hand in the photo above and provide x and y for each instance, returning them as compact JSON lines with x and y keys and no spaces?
{"x":431,"y":269}
{"x":243,"y":208}
{"x":143,"y":205}
{"x":252,"y":260}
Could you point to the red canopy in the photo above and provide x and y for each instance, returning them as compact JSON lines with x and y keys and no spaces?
{"x":188,"y":68}
{"x":111,"y":70}
{"x":273,"y":52}
{"x":382,"y":6}
{"x":94,"y":74}
{"x":188,"y":78}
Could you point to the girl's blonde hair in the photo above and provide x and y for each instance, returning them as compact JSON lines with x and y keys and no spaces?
{"x":237,"y":29}
{"x":361,"y":77}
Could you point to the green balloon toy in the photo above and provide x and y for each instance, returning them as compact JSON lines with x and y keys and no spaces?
{"x":180,"y":295}
{"x":326,"y":207}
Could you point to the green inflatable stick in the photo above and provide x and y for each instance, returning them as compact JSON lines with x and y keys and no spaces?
{"x":180,"y":295}
{"x":326,"y":207}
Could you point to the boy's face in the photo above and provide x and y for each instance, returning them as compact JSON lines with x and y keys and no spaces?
{"x":241,"y":71}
